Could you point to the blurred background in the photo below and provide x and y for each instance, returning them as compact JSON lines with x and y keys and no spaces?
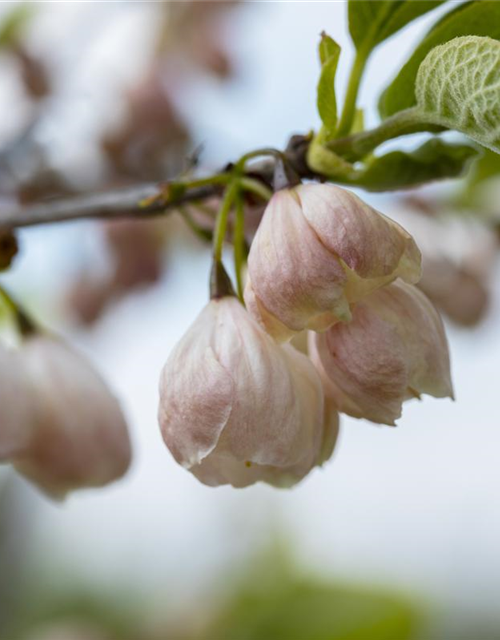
{"x":399,"y":535}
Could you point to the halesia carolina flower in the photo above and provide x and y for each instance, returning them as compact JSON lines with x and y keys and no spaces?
{"x":15,"y":406}
{"x":319,"y":248}
{"x":393,"y":349}
{"x":236,"y":408}
{"x":79,"y":435}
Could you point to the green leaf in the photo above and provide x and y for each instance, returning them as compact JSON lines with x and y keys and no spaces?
{"x":480,"y":18}
{"x":328,"y":48}
{"x":371,"y":22}
{"x":434,"y":160}
{"x":474,"y":188}
{"x":486,"y":167}
{"x":329,"y":52}
{"x":458,"y":87}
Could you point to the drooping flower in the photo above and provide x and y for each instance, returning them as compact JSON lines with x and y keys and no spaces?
{"x":79,"y":437}
{"x":319,"y":248}
{"x":393,"y":349}
{"x":15,"y":406}
{"x":236,"y":408}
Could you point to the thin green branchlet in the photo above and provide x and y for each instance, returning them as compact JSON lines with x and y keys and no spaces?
{"x":357,"y":146}
{"x":239,"y":242}
{"x":220,"y":284}
{"x":222,"y":217}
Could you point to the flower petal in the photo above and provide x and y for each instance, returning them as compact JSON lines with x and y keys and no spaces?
{"x":421,"y":329}
{"x":395,"y":348}
{"x":196,"y":394}
{"x":375,"y":248}
{"x":363,"y":366}
{"x":16,"y":410}
{"x":294,"y":276}
{"x":277,"y":413}
{"x":79,"y":438}
{"x":330,"y":431}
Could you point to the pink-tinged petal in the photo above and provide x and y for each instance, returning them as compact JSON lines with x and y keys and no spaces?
{"x":196,"y":393}
{"x":375,"y":248}
{"x":16,"y":410}
{"x":309,"y":398}
{"x":222,"y":468}
{"x":294,"y":276}
{"x":276,"y":418}
{"x":271,"y":324}
{"x":394,"y":349}
{"x":422,"y":331}
{"x":219,"y":469}
{"x":252,"y":411}
{"x":363,"y":366}
{"x":79,"y":435}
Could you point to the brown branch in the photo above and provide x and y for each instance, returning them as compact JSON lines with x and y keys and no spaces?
{"x":130,"y":202}
{"x":121,"y":203}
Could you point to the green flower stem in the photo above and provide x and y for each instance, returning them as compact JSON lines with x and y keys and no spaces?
{"x":349,"y":108}
{"x":218,"y":178}
{"x":221,"y":223}
{"x":220,"y":283}
{"x":361,"y":144}
{"x":257,"y":187}
{"x":265,"y":151}
{"x":25,"y":324}
{"x":239,"y":244}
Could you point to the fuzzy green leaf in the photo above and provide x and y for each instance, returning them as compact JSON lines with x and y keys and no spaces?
{"x":480,"y":18}
{"x":458,"y":87}
{"x":371,"y":22}
{"x":329,"y":52}
{"x":434,"y":160}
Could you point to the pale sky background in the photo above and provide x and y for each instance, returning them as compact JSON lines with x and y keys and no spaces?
{"x":415,"y":507}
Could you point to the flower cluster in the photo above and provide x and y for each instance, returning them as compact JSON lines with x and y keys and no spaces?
{"x":240,"y":404}
{"x":60,"y":426}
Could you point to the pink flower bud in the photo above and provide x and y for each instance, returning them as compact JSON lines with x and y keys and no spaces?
{"x":319,"y":248}
{"x":79,"y":435}
{"x":393,"y":349}
{"x":15,"y":406}
{"x":236,"y":408}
